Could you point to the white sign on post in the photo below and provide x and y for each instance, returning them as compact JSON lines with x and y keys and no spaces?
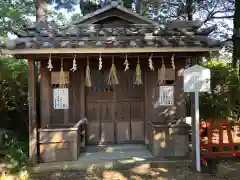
{"x":197,"y":79}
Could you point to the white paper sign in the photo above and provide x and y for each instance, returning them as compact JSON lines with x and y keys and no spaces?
{"x":197,"y":79}
{"x":166,"y":95}
{"x":60,"y":98}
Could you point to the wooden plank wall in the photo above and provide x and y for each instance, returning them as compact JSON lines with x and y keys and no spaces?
{"x":49,"y":116}
{"x":52,"y":117}
{"x":160,"y":114}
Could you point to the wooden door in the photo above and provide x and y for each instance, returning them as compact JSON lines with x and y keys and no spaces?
{"x":100,"y":110}
{"x":115,"y":114}
{"x":129,"y":112}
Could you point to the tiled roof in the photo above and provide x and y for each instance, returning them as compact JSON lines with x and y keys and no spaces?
{"x":171,"y":34}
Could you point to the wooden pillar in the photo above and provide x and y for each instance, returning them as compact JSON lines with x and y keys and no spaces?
{"x":45,"y":96}
{"x":145,"y":109}
{"x":32,"y":112}
{"x":82,"y":95}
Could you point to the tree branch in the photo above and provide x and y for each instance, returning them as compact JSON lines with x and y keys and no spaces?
{"x":222,"y":17}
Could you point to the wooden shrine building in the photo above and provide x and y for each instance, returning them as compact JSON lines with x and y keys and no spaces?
{"x":116,"y":71}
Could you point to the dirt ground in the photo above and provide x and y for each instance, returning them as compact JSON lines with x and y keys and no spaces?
{"x":175,"y":171}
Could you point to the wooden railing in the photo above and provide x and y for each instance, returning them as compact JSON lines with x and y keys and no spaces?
{"x":219,"y":140}
{"x":62,"y":144}
{"x":81,"y":131}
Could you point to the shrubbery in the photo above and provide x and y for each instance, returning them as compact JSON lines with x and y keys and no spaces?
{"x":16,"y":153}
{"x":222,"y":102}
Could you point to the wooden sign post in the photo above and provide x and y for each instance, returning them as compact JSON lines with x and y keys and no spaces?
{"x":197,"y":79}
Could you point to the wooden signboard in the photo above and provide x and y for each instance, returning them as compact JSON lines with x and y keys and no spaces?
{"x":55,"y":77}
{"x":166,"y":95}
{"x":60,"y":98}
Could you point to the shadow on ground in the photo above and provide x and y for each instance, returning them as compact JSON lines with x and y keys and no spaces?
{"x":145,"y":171}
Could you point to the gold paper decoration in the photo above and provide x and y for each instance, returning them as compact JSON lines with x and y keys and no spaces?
{"x":100,"y":63}
{"x":150,"y":63}
{"x":161,"y":73}
{"x":74,"y":67}
{"x":88,"y":81}
{"x":126,"y":63}
{"x":172,"y":61}
{"x":112,"y":76}
{"x":138,"y":74}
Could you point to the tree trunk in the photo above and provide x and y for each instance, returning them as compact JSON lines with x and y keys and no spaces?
{"x":81,"y":7}
{"x":189,"y":10}
{"x":41,"y":10}
{"x":41,"y":16}
{"x":236,"y":35}
{"x":139,"y":6}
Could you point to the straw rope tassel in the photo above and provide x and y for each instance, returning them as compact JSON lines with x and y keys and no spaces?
{"x":88,"y":81}
{"x":138,"y":74}
{"x":112,"y":76}
{"x":62,"y":76}
{"x":161,"y":73}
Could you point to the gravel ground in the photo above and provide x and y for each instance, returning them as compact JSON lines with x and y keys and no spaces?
{"x":172,"y":172}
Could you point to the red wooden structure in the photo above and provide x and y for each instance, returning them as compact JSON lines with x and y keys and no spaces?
{"x":219,"y":139}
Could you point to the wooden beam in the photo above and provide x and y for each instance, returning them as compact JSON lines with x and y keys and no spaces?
{"x":32,"y":112}
{"x":107,"y":50}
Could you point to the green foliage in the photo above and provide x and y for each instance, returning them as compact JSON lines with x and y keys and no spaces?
{"x":13,"y":13}
{"x":13,"y":109}
{"x":236,"y":35}
{"x":14,"y":95}
{"x":13,"y":84}
{"x":222,"y":101}
{"x":16,"y":154}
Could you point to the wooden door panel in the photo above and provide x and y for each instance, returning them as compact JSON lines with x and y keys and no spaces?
{"x":92,"y":111}
{"x":106,"y":111}
{"x":123,"y":132}
{"x":100,"y":96}
{"x":107,"y":133}
{"x":137,"y":131}
{"x":122,"y":111}
{"x":93,"y":132}
{"x":137,"y":111}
